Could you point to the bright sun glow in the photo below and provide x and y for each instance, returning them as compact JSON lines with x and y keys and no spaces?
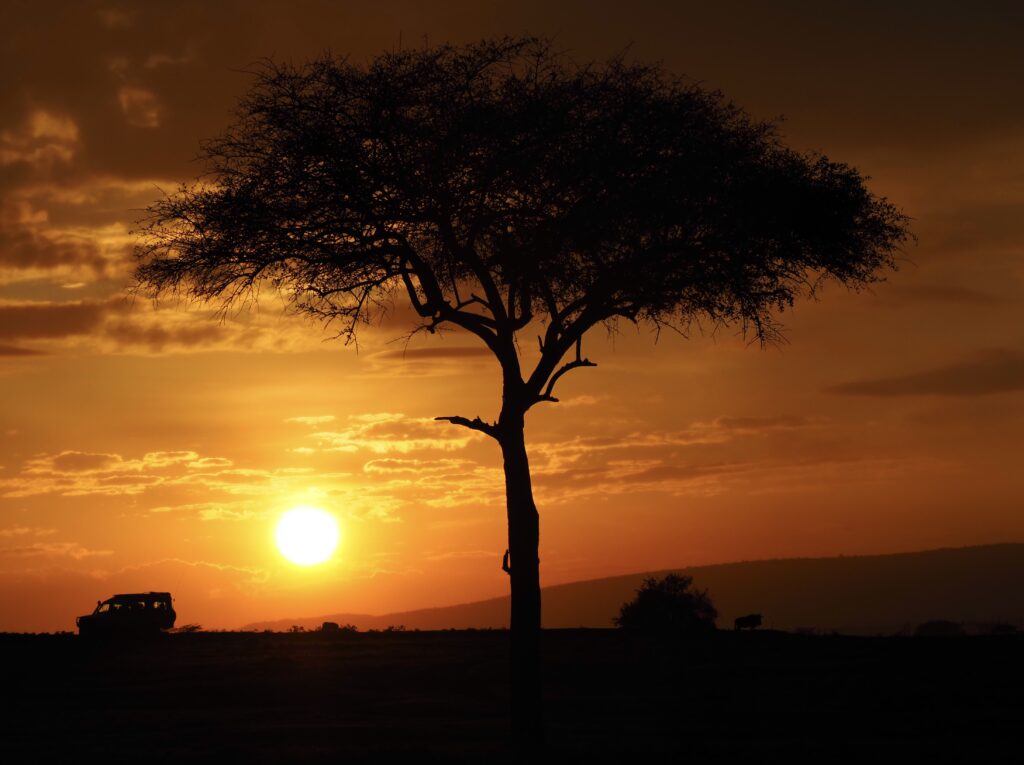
{"x":307,"y":535}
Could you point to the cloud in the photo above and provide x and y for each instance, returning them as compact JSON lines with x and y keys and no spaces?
{"x":945,"y":293}
{"x":21,"y":531}
{"x":226,"y":514}
{"x":208,"y":487}
{"x":70,"y":232}
{"x":997,"y":371}
{"x":141,"y":107}
{"x":77,"y":473}
{"x":157,"y":328}
{"x":42,"y":139}
{"x":115,"y":18}
{"x":12,"y":350}
{"x":155,"y":337}
{"x":432,"y":361}
{"x":156,"y":60}
{"x":760,"y":423}
{"x":236,"y":510}
{"x":630,"y":475}
{"x":116,"y":325}
{"x":459,"y":555}
{"x":763,"y":474}
{"x":698,"y":434}
{"x":319,"y":419}
{"x":27,"y":245}
{"x":704,"y":458}
{"x":71,"y":550}
{"x":388,"y":432}
{"x":81,"y":462}
{"x":583,"y":400}
{"x":30,"y":320}
{"x":205,"y":463}
{"x":667,"y":472}
{"x":391,"y":466}
{"x":434,"y":354}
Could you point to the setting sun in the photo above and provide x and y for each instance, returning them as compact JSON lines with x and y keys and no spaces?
{"x":307,"y":535}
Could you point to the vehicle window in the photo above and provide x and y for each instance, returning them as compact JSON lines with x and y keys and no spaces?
{"x":103,"y":608}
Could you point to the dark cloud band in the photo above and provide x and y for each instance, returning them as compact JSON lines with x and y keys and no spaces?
{"x":996,"y":372}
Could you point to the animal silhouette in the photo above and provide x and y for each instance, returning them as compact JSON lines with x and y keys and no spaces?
{"x":748,"y":622}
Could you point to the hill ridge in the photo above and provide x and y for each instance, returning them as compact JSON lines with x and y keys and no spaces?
{"x":876,"y":593}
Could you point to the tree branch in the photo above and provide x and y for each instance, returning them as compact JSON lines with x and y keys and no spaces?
{"x":475,"y":424}
{"x":568,"y":367}
{"x":423,"y":309}
{"x":470,"y":257}
{"x":555,"y":346}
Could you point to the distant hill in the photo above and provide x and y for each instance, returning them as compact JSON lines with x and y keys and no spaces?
{"x":864,"y":594}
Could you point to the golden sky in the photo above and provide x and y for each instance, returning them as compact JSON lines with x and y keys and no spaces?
{"x":154,"y":447}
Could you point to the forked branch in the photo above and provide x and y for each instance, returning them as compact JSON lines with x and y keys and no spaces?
{"x":576,"y":363}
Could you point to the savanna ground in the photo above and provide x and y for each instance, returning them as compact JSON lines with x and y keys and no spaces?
{"x":312,"y":697}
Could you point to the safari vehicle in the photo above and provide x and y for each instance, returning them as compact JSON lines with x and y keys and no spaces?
{"x":145,"y":613}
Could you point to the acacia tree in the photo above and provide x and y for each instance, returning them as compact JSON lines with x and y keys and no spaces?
{"x":501,"y":188}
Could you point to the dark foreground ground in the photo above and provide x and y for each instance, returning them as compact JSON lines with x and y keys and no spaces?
{"x":755,"y":697}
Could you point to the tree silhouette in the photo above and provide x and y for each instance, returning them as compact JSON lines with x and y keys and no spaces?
{"x":668,"y":606}
{"x":502,"y":189}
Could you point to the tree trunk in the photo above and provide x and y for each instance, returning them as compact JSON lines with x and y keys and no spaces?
{"x":523,"y":540}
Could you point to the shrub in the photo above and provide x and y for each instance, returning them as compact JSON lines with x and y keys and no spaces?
{"x":669,"y":605}
{"x":1002,"y":628}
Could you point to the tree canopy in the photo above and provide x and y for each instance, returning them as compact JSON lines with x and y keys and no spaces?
{"x":498,"y":184}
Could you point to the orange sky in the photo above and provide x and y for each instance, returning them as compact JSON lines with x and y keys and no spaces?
{"x":153,"y":447}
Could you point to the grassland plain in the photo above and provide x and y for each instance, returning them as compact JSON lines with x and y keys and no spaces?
{"x":318,"y":697}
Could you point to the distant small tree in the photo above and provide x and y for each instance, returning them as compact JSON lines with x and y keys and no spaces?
{"x":668,"y":605}
{"x":940,"y":628}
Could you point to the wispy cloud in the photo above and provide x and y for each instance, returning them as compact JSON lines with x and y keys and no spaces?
{"x":234,"y":510}
{"x":26,"y":531}
{"x":434,"y":354}
{"x":413,"y":466}
{"x":72,"y":550}
{"x":944,"y":293}
{"x":77,"y":473}
{"x":389,"y":432}
{"x":319,"y":419}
